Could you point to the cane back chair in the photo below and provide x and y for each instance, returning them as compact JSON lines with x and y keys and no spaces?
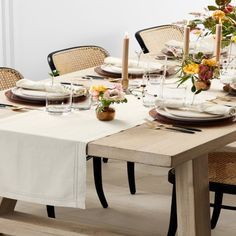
{"x":152,"y":40}
{"x":222,"y":179}
{"x":9,"y":77}
{"x":76,"y":58}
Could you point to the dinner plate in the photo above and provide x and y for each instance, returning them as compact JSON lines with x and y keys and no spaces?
{"x":185,"y":113}
{"x":29,"y":94}
{"x":118,"y":70}
{"x":34,"y":95}
{"x":165,"y":113}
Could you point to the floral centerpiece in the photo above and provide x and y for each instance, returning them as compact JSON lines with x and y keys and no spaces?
{"x":222,"y":13}
{"x":201,"y":70}
{"x":105,"y":97}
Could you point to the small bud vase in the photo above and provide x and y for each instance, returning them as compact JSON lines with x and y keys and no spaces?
{"x":202,"y":84}
{"x":106,"y":113}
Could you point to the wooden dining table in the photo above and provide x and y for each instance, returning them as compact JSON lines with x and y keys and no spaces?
{"x":187,"y":153}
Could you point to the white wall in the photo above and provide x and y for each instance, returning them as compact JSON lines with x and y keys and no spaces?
{"x":41,"y":27}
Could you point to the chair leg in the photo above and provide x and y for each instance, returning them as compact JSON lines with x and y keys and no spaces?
{"x":97,"y":173}
{"x":131,"y":177}
{"x":105,"y":160}
{"x":173,"y":214}
{"x":216,"y":208}
{"x":51,"y":211}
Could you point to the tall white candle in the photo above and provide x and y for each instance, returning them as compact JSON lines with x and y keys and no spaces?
{"x":186,"y":41}
{"x":218,"y":41}
{"x":125,"y":58}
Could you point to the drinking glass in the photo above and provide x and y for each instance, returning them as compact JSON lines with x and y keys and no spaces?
{"x":152,"y":89}
{"x":58,"y":99}
{"x":227,"y":68}
{"x":172,"y":96}
{"x":81,"y":98}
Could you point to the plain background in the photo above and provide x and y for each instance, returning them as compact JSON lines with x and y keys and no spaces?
{"x":36,"y":28}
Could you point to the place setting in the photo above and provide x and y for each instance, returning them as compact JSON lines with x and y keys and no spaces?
{"x":181,"y":104}
{"x":53,"y":96}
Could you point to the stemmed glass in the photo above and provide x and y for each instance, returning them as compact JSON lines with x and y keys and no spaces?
{"x":153,"y":81}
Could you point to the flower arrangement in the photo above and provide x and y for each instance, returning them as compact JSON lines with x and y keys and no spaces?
{"x":107,"y":96}
{"x":222,"y":13}
{"x":200,"y":69}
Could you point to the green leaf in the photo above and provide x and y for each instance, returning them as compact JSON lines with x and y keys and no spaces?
{"x":198,"y":91}
{"x":222,"y":2}
{"x":193,"y":89}
{"x":212,"y":8}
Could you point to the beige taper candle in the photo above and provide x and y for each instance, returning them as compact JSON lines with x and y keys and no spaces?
{"x":186,"y":41}
{"x":218,"y":41}
{"x":125,"y":58}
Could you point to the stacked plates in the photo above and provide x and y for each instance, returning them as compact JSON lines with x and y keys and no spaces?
{"x":188,"y":117}
{"x":29,"y":94}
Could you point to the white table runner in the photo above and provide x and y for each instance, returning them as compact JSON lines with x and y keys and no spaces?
{"x":43,"y":157}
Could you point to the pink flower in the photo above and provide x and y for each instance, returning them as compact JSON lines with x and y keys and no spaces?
{"x":205,"y":72}
{"x":114,"y":95}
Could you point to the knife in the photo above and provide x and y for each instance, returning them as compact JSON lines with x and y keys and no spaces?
{"x":94,"y":77}
{"x":188,"y":128}
{"x":183,"y":130}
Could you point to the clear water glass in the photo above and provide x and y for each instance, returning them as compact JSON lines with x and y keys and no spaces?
{"x":58,"y":99}
{"x":153,"y":89}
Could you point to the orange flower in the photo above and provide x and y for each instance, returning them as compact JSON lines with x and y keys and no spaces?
{"x":209,"y":62}
{"x":192,"y":68}
{"x":218,"y":15}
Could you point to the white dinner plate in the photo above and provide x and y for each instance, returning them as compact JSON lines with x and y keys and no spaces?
{"x":166,"y":114}
{"x":32,"y":94}
{"x":29,"y":94}
{"x":118,"y":70}
{"x":191,"y":113}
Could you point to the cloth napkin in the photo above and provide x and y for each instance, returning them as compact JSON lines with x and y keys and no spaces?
{"x":134,"y":63}
{"x":56,"y":88}
{"x":215,"y":109}
{"x":178,"y":44}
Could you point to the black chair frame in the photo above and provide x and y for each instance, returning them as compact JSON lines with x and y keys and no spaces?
{"x":140,"y":40}
{"x":50,"y":56}
{"x":218,"y":188}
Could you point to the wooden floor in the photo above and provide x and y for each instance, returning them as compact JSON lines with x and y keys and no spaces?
{"x":146,"y":213}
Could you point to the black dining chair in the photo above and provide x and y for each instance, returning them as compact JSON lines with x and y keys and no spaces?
{"x":78,"y":58}
{"x":153,"y":39}
{"x":222,"y":179}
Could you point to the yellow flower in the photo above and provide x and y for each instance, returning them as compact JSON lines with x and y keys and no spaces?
{"x":218,"y":15}
{"x":99,"y":88}
{"x":209,"y":62}
{"x":234,"y":39}
{"x":192,"y":68}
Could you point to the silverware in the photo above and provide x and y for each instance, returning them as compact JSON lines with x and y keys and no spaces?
{"x":93,"y":77}
{"x":18,"y":108}
{"x":183,"y":129}
{"x":188,"y":128}
{"x":175,"y":129}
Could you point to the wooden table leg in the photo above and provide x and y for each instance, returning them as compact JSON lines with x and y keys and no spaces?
{"x":7,"y":206}
{"x":192,"y":192}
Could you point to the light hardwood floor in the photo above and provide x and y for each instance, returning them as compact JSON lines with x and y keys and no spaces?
{"x":145,"y":213}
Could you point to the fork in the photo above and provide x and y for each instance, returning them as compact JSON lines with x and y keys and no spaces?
{"x":17,"y":108}
{"x":153,"y":125}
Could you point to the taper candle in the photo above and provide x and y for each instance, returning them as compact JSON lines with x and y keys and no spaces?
{"x":218,"y":41}
{"x":125,"y":58}
{"x":186,"y":41}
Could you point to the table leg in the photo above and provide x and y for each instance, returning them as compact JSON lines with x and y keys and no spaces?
{"x":7,"y":206}
{"x":192,"y":192}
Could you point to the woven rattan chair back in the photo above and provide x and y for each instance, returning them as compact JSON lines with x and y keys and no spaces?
{"x":152,"y":40}
{"x":8,"y":77}
{"x":76,"y":58}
